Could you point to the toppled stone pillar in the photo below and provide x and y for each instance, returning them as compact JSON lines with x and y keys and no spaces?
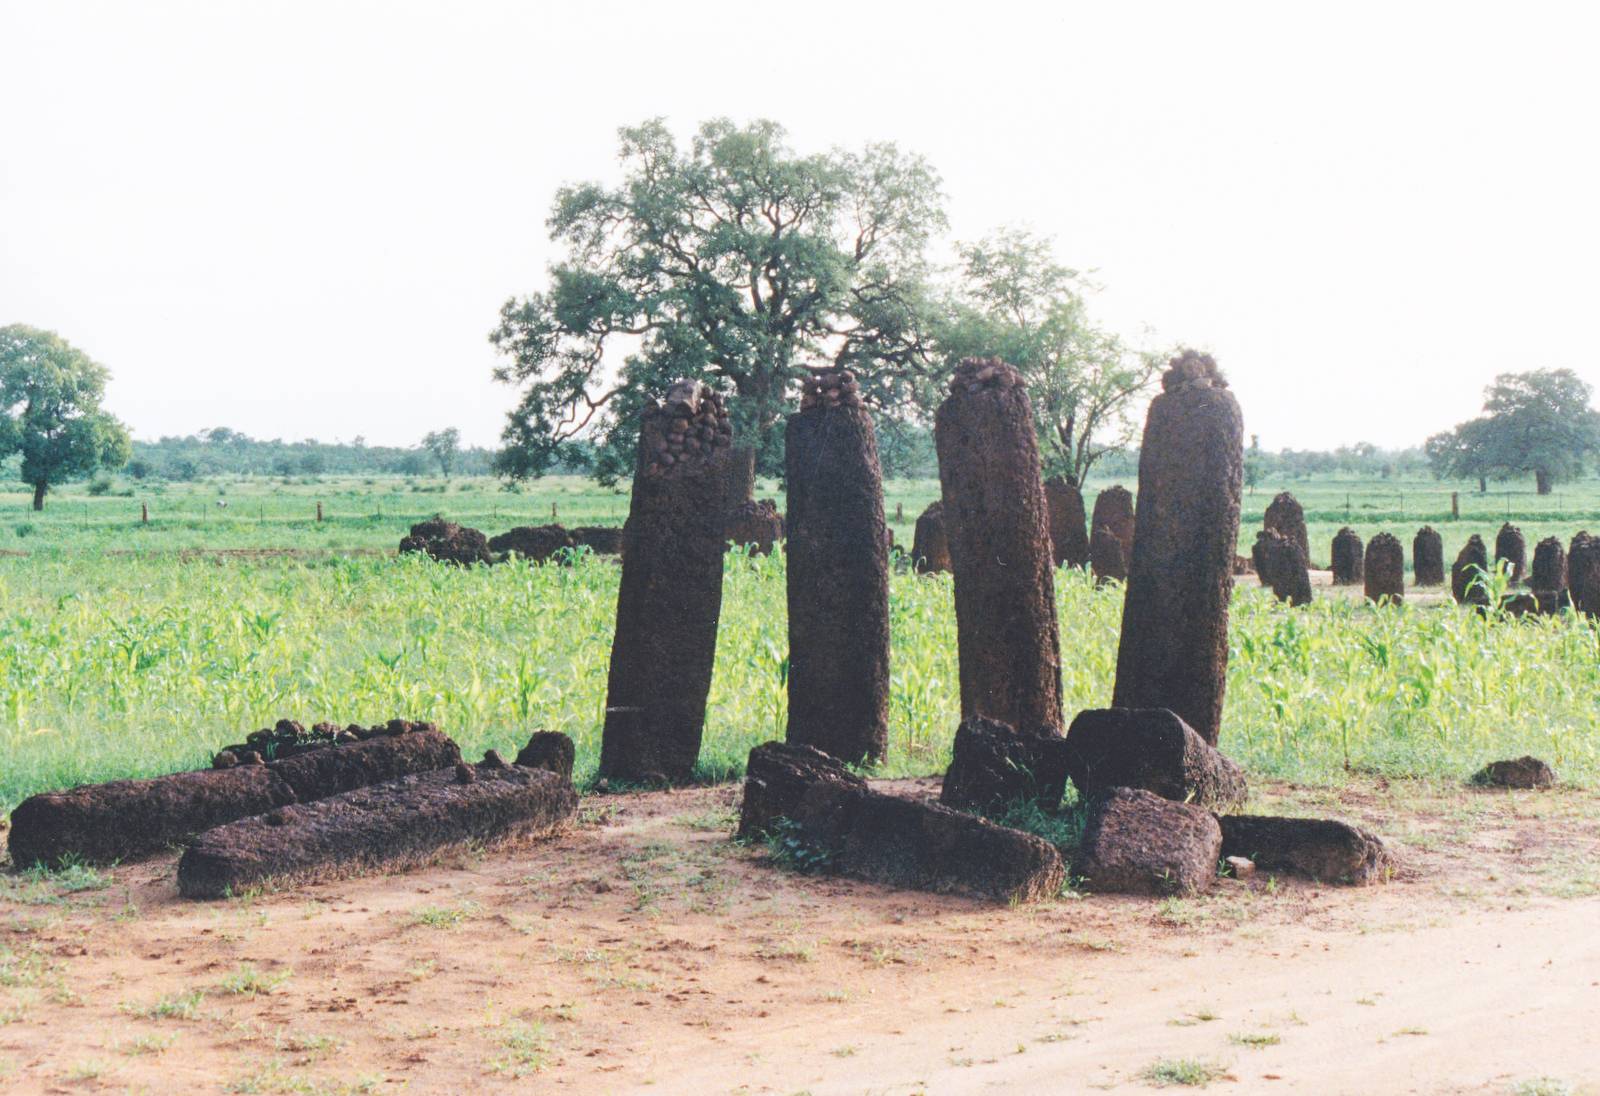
{"x":1135,"y":842}
{"x":996,"y":520}
{"x":1427,"y":557}
{"x":1111,"y":534}
{"x":995,"y":765}
{"x":1281,"y":567}
{"x":1583,"y":573}
{"x":534,"y":543}
{"x":1152,"y":749}
{"x":1547,"y":578}
{"x":551,"y":751}
{"x":1174,"y":648}
{"x":838,"y":574}
{"x":1324,"y":849}
{"x":671,"y":591}
{"x":1347,"y":557}
{"x":1471,"y":564}
{"x":1510,"y":546}
{"x":1385,"y":569}
{"x":1284,"y":515}
{"x":1069,"y":539}
{"x":930,"y":545}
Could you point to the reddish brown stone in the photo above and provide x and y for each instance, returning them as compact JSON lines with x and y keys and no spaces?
{"x":998,"y":528}
{"x":1583,"y":573}
{"x":671,"y":593}
{"x":994,"y":765}
{"x":838,"y":577}
{"x":930,"y":546}
{"x":1108,"y":556}
{"x":1347,"y":557}
{"x":1525,"y":773}
{"x":1385,"y":569}
{"x":447,"y":542}
{"x":1281,"y":568}
{"x":1174,"y":648}
{"x":551,"y":751}
{"x":754,"y":526}
{"x":1471,"y":564}
{"x":535,"y":543}
{"x":1547,"y":578}
{"x":1111,"y":534}
{"x":1510,"y":546}
{"x":777,"y":778}
{"x":1069,"y":538}
{"x":1427,"y":557}
{"x":603,"y":540}
{"x":1135,"y":842}
{"x":1285,"y":516}
{"x":1323,"y":849}
{"x":1152,"y":749}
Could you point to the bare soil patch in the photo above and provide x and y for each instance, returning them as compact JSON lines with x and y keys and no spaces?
{"x":645,"y":951}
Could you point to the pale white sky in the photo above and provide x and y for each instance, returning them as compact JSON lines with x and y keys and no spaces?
{"x":300,"y":219}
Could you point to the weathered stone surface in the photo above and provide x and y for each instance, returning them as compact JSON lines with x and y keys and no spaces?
{"x":387,"y":827}
{"x":1347,"y":557}
{"x":930,"y":545}
{"x":602,"y":540}
{"x":1174,"y":648}
{"x":838,"y":576}
{"x":1069,"y":537}
{"x":447,"y":542}
{"x":551,"y":751}
{"x":754,"y":526}
{"x":1427,"y":557}
{"x":1524,"y":772}
{"x":1465,"y":574}
{"x":671,"y":592}
{"x":995,"y":764}
{"x":1324,"y":849}
{"x":1583,"y":573}
{"x":1136,"y":842}
{"x":535,"y":543}
{"x":1285,"y":516}
{"x":128,"y":819}
{"x":1281,"y":567}
{"x":1385,"y":569}
{"x":995,"y":517}
{"x":1111,"y":534}
{"x":848,"y":829}
{"x":1152,"y":749}
{"x":1510,"y":546}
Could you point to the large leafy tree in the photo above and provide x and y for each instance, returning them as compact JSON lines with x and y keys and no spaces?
{"x":1014,"y":300}
{"x":445,"y":445}
{"x":50,"y":395}
{"x":735,"y":261}
{"x":1539,"y":423}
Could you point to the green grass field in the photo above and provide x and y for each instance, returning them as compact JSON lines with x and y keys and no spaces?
{"x":120,"y":665}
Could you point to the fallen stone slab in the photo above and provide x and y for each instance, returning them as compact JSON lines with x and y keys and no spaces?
{"x":1524,"y":772}
{"x":1136,"y":842}
{"x":534,"y":543}
{"x":128,"y":819}
{"x":1153,"y":749}
{"x":840,"y":826}
{"x":389,"y":827}
{"x":994,"y":765}
{"x":1324,"y":849}
{"x":447,"y":542}
{"x":603,"y":540}
{"x":549,"y":750}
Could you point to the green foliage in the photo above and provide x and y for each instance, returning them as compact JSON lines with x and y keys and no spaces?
{"x":734,"y":261}
{"x":789,"y":847}
{"x":1537,"y":423}
{"x":445,"y":445}
{"x":50,"y":414}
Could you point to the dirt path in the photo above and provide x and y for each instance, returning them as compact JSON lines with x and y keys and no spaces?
{"x":646,"y":952}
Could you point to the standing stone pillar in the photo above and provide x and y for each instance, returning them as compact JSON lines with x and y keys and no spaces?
{"x":1174,"y":648}
{"x":1281,"y":567}
{"x":1285,"y":516}
{"x":999,"y":532}
{"x":838,"y":574}
{"x":1583,"y":573}
{"x":1347,"y":557}
{"x":1069,"y":540}
{"x":1111,"y":534}
{"x":930,"y":544}
{"x":1510,"y":546}
{"x":1385,"y":568}
{"x":1464,"y":573}
{"x":1547,"y":578}
{"x":671,"y":591}
{"x":1427,"y":557}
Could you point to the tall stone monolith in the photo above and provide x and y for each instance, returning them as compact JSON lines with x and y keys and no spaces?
{"x":998,"y":527}
{"x":1174,"y":648}
{"x":1347,"y":557}
{"x":1385,"y":567}
{"x":1510,"y":546}
{"x":1281,"y":567}
{"x":1111,"y":534}
{"x":838,"y":573}
{"x":930,"y":545}
{"x":1069,"y":537}
{"x":1284,"y":515}
{"x":1547,"y":577}
{"x":1467,"y":571}
{"x":1427,"y":557}
{"x":671,"y":591}
{"x":1583,"y":573}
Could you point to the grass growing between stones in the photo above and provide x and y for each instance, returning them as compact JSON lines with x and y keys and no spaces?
{"x":134,"y":666}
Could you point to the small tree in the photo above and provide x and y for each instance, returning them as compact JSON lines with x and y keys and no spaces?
{"x":50,"y":395}
{"x":445,"y":445}
{"x":1537,"y":423}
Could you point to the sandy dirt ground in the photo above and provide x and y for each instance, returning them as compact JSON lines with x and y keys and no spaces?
{"x":646,"y":952}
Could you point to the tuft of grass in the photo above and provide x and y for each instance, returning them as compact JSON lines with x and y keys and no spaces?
{"x":150,"y":1044}
{"x":1186,"y":1072}
{"x":1255,"y":1040}
{"x":527,"y":1049}
{"x":175,"y":1006}
{"x":1542,"y":1086}
{"x":247,"y":981}
{"x":445,"y":917}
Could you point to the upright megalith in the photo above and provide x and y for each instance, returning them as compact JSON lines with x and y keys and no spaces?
{"x":671,"y":591}
{"x":1583,"y":573}
{"x":1285,"y":516}
{"x":1510,"y":546}
{"x":930,"y":546}
{"x":1385,"y":569}
{"x":1427,"y":557}
{"x":999,"y":532}
{"x":1347,"y":557}
{"x":1174,"y":648}
{"x":838,"y":571}
{"x":1069,"y":538}
{"x":1281,"y":567}
{"x":1547,"y":577}
{"x":1471,"y":565}
{"x":1111,"y":534}
{"x":754,"y":527}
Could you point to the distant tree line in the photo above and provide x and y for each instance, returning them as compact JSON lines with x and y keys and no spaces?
{"x":224,"y":452}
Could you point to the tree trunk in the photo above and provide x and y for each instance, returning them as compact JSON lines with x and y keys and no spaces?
{"x":741,"y":476}
{"x":1541,"y":479}
{"x":1483,"y":485}
{"x":38,"y":494}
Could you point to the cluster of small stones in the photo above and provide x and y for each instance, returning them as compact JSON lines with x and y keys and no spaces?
{"x":287,"y":738}
{"x":976,"y":374}
{"x":698,"y":424}
{"x":828,"y":386}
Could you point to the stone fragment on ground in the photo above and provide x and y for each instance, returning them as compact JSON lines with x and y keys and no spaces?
{"x":1323,"y":849}
{"x":1522,"y":772}
{"x":1136,"y":842}
{"x":1153,"y":749}
{"x":993,"y":765}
